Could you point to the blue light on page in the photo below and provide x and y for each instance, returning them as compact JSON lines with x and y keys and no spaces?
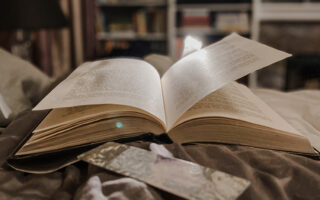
{"x":119,"y":125}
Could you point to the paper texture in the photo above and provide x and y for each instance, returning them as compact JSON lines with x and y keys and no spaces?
{"x":123,"y":81}
{"x":179,"y":177}
{"x":204,"y":71}
{"x":64,"y":117}
{"x":236,"y":101}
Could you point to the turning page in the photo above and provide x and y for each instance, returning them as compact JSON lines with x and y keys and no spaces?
{"x":204,"y":71}
{"x":123,"y":81}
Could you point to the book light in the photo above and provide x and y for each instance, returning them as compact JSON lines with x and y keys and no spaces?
{"x":191,"y":44}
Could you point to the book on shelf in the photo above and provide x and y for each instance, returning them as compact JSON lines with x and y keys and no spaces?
{"x":141,"y":22}
{"x":232,"y":22}
{"x":196,"y":100}
{"x":195,"y":21}
{"x":100,"y":22}
{"x":149,"y":21}
{"x":133,"y":3}
{"x":195,"y":17}
{"x":157,"y":21}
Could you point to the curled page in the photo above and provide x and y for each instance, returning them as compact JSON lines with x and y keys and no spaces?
{"x":204,"y":71}
{"x":122,"y":81}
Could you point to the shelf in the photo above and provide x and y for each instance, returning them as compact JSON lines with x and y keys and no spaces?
{"x":244,"y":7}
{"x":132,"y":3}
{"x":131,"y":36}
{"x":204,"y":32}
{"x":306,"y":11}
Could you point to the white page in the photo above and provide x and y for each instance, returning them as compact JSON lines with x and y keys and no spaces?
{"x":122,"y":81}
{"x":206,"y":70}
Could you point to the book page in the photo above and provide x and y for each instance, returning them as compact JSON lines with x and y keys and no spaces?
{"x":236,"y":101}
{"x":63,"y":118}
{"x":206,"y":70}
{"x":160,"y":62}
{"x":122,"y":81}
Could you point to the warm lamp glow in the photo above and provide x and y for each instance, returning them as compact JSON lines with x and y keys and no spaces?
{"x":191,"y":44}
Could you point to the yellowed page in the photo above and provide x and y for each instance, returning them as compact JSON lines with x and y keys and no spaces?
{"x":237,"y":102}
{"x":206,"y":70}
{"x":64,"y":117}
{"x":123,"y":81}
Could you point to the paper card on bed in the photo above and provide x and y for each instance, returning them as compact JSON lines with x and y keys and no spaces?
{"x":179,"y":177}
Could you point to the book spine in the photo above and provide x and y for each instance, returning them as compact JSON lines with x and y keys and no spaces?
{"x":198,"y":21}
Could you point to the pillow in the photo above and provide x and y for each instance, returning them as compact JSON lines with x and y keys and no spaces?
{"x":21,"y":86}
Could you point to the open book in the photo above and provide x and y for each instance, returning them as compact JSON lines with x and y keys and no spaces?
{"x":196,"y":100}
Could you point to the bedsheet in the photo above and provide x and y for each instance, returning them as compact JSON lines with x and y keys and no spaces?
{"x":273,"y":174}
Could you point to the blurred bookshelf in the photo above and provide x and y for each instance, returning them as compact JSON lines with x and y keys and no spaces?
{"x":131,"y":36}
{"x":140,"y":27}
{"x":210,"y":21}
{"x":123,"y":3}
{"x":292,"y":26}
{"x":134,"y":28}
{"x":159,"y":26}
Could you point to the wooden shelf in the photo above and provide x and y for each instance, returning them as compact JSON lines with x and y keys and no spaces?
{"x":242,"y":7}
{"x":306,"y":11}
{"x":204,"y":31}
{"x":131,"y":36}
{"x":132,"y":3}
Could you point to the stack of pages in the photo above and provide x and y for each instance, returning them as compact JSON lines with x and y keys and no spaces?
{"x":196,"y":100}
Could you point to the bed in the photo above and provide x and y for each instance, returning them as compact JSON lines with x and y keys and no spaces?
{"x":273,"y":174}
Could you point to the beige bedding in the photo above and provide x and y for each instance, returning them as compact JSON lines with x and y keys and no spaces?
{"x":300,"y":108}
{"x":273,"y":174}
{"x":21,"y":86}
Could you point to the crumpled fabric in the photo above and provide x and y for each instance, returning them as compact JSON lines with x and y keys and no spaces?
{"x":98,"y":187}
{"x":273,"y":174}
{"x":301,"y":109}
{"x":105,"y":186}
{"x":22,"y":186}
{"x":22,"y":85}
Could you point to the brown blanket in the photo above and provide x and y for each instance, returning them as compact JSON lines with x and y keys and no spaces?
{"x":273,"y":174}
